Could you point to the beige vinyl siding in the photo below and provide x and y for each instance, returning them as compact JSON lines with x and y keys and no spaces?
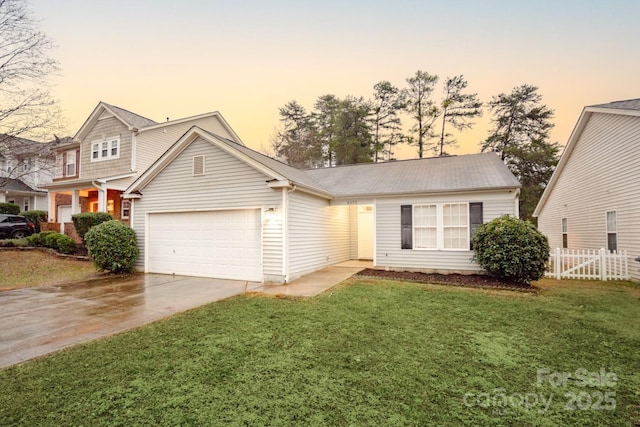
{"x":388,"y":232}
{"x":227,"y":184}
{"x":318,"y":233}
{"x":106,"y":128}
{"x":152,"y":143}
{"x":602,"y":174}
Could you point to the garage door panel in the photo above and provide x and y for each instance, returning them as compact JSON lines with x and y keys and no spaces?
{"x":224,"y":244}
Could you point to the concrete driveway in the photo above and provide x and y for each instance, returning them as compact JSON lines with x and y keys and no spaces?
{"x":37,"y":321}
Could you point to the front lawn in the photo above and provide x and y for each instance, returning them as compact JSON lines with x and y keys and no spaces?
{"x":366,"y":353}
{"x":25,"y":268}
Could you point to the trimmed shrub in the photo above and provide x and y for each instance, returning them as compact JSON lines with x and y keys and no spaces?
{"x":112,"y":246}
{"x":84,"y":221}
{"x":50,"y":239}
{"x":9,"y":208}
{"x":512,"y":249}
{"x":36,"y":217}
{"x":38,"y":239}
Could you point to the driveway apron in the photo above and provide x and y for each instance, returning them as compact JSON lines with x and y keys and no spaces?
{"x":37,"y":321}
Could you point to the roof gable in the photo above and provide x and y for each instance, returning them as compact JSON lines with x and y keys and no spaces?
{"x":271,"y":168}
{"x":133,"y":121}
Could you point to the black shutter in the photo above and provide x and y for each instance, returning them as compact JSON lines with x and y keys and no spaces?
{"x":406,"y":220}
{"x":475,"y":220}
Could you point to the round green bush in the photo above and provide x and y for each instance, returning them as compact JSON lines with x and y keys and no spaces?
{"x":85,"y":220}
{"x":511,"y":249}
{"x":112,"y":246}
{"x":51,"y":239}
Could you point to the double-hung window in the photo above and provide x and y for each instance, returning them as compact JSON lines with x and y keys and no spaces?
{"x":612,"y":231}
{"x":106,"y":149}
{"x":443,"y":226}
{"x":565,"y":231}
{"x":70,"y":166}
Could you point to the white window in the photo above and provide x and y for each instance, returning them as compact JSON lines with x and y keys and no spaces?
{"x":455,"y":223}
{"x":26,"y":204}
{"x":565,"y":230}
{"x":106,"y":149}
{"x":425,"y":226}
{"x":441,"y":226}
{"x":126,"y":209}
{"x":26,"y":165}
{"x":612,"y":231}
{"x":71,"y":163}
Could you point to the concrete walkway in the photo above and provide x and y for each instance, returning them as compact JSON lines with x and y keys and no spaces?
{"x":38,"y":321}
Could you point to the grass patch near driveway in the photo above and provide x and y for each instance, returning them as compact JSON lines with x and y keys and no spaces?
{"x":25,"y":269}
{"x":365,"y":353}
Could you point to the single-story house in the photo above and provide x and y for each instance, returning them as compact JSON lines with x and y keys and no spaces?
{"x":212,"y":207}
{"x":592,"y":200}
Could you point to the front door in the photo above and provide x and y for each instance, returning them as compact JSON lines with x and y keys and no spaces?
{"x":365,"y":232}
{"x":64,"y":215}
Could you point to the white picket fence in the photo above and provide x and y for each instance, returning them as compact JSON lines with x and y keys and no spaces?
{"x":588,"y":264}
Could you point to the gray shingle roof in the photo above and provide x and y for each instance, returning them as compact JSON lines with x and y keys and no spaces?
{"x":629,"y":104}
{"x":439,"y":174}
{"x":12,"y":184}
{"x":135,"y":120}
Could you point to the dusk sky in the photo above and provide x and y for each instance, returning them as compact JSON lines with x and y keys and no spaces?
{"x":248,"y":58}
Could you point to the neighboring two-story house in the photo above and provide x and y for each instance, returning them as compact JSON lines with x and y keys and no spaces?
{"x":25,"y":168}
{"x":108,"y":153}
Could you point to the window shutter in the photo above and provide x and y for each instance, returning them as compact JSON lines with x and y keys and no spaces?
{"x":198,"y":165}
{"x":406,"y":220}
{"x":64,"y":164}
{"x":475,"y":220}
{"x":77,"y":162}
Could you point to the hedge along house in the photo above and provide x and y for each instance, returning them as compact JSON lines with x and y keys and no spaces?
{"x":111,"y":149}
{"x":214,"y":208}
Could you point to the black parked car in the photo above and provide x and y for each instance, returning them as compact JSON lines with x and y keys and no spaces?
{"x":15,"y":227}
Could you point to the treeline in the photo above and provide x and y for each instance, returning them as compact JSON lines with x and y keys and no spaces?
{"x":357,"y":130}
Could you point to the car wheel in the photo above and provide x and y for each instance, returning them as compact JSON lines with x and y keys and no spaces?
{"x":20,"y":234}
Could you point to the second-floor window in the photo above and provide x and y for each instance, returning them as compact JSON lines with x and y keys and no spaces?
{"x":105,"y":149}
{"x":70,"y":164}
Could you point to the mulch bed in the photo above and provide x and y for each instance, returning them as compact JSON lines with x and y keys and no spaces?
{"x":470,"y":280}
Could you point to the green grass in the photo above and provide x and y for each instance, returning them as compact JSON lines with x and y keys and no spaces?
{"x":25,"y":269}
{"x":366,"y":353}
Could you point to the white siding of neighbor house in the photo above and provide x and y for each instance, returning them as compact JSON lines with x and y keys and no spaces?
{"x":228,"y":183}
{"x":318,"y":234}
{"x":388,"y":232}
{"x":152,"y":143}
{"x":602,"y":174}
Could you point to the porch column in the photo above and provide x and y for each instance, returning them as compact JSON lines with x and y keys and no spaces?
{"x":3,"y":197}
{"x":51,"y":202}
{"x":75,"y":202}
{"x":102,"y":199}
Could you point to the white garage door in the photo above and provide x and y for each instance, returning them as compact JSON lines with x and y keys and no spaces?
{"x":223,"y":244}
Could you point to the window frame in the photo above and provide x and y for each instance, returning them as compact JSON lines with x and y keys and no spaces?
{"x":564,"y":227}
{"x":103,"y":149}
{"x":125,"y":205}
{"x":612,"y":233}
{"x":440,"y":227}
{"x":68,"y":163}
